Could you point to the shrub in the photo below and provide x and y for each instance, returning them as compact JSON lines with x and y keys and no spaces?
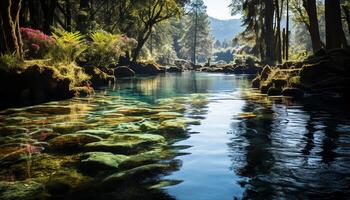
{"x":36,"y":44}
{"x":69,"y":46}
{"x":106,"y":48}
{"x":10,"y":62}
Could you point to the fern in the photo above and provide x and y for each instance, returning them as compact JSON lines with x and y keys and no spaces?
{"x":69,"y":45}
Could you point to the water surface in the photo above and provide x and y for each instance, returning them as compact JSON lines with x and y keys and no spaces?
{"x":247,"y":146}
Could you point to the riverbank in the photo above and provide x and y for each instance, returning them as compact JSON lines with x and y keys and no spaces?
{"x":325,"y":73}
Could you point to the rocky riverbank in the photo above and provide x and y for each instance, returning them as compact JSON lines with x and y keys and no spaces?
{"x":326,"y":72}
{"x":38,"y":82}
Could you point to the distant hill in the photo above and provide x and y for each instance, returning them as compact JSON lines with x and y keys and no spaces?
{"x":225,"y":29}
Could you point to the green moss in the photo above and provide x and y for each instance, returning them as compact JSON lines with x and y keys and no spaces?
{"x":101,"y":161}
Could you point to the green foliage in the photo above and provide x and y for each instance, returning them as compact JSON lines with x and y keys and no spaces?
{"x":69,"y":45}
{"x":106,"y":48}
{"x":240,"y":59}
{"x":10,"y":62}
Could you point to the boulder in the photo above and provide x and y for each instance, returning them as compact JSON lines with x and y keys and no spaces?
{"x":174,"y":69}
{"x":72,"y":142}
{"x":265,"y":72}
{"x":256,"y":82}
{"x":274,"y":91}
{"x":98,"y":77}
{"x":265,"y":87}
{"x":136,"y":173}
{"x":279,"y":83}
{"x":96,"y":161}
{"x":145,"y":68}
{"x":96,"y":132}
{"x":63,"y":182}
{"x":293,"y":92}
{"x":24,"y":190}
{"x":126,"y":143}
{"x":123,"y":71}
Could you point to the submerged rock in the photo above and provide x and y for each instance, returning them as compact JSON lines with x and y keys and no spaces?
{"x":21,"y":190}
{"x":126,"y":143}
{"x":63,"y":182}
{"x":96,"y":132}
{"x":136,"y":173}
{"x":95,"y":161}
{"x":72,"y":142}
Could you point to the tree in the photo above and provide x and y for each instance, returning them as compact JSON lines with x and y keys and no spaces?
{"x":10,"y":38}
{"x":335,"y":37}
{"x":151,"y":12}
{"x":310,"y":7}
{"x":196,"y":40}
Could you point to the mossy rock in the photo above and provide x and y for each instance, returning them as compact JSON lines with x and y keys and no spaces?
{"x":12,"y":130}
{"x":265,"y":88}
{"x":64,"y":182}
{"x":72,"y":142}
{"x":137,"y":173}
{"x":279,"y":83}
{"x":126,"y":143}
{"x":96,"y":161}
{"x":149,"y":126}
{"x":293,"y":92}
{"x":274,"y":92}
{"x":135,"y":111}
{"x":96,"y":132}
{"x":123,"y":71}
{"x":256,"y":82}
{"x":147,"y":157}
{"x":131,"y":127}
{"x":265,"y":72}
{"x":68,"y":127}
{"x":165,"y":183}
{"x":21,"y":190}
{"x":172,"y":128}
{"x":166,"y":115}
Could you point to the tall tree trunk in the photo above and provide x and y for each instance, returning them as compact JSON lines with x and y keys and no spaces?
{"x":83,"y":16}
{"x":269,"y":34}
{"x":287,"y":34}
{"x":141,"y":40}
{"x":35,"y":14}
{"x":195,"y":38}
{"x":347,"y":16}
{"x":310,"y":7}
{"x":48,"y":8}
{"x":68,"y":16}
{"x":10,"y":38}
{"x":335,"y":37}
{"x":278,"y":32}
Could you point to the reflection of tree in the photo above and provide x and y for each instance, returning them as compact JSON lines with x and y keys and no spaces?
{"x":258,"y":159}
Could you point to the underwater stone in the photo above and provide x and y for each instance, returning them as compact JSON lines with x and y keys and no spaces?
{"x":138,"y":172}
{"x":97,"y":132}
{"x":126,"y":143}
{"x":95,"y":161}
{"x":72,"y":142}
{"x":63,"y":182}
{"x":21,"y":190}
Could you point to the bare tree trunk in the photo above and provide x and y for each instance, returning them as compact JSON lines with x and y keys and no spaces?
{"x":287,"y":33}
{"x":335,"y":37}
{"x":278,"y":32}
{"x":347,"y":16}
{"x":269,"y":35}
{"x":310,"y":7}
{"x":10,"y":39}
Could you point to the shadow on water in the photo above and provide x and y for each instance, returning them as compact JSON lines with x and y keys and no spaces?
{"x":294,"y":151}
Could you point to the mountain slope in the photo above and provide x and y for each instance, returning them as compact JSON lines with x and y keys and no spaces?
{"x":225,"y":29}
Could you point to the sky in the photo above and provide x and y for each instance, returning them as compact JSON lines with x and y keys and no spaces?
{"x":219,"y":9}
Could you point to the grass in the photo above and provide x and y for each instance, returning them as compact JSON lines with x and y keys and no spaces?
{"x":10,"y":62}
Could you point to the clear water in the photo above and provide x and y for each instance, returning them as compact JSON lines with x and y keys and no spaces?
{"x":247,"y":146}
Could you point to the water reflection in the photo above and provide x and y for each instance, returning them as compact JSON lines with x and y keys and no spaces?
{"x":299,"y":152}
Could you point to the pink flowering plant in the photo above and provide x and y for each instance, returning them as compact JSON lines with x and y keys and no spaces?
{"x":36,"y":44}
